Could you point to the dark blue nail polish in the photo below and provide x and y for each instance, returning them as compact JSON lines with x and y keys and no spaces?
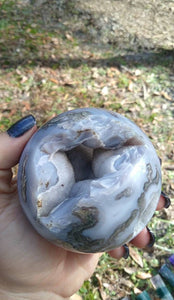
{"x":21,"y":126}
{"x":167,"y":200}
{"x":152,"y":238}
{"x":126,"y":251}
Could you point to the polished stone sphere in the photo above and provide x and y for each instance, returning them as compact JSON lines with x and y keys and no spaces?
{"x":89,"y":180}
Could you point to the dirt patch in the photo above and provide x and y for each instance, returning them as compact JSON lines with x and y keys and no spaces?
{"x":128,"y":24}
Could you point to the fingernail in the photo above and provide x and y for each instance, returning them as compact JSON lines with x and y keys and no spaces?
{"x":152,"y":238}
{"x":21,"y":126}
{"x":167,"y":200}
{"x":126,"y":251}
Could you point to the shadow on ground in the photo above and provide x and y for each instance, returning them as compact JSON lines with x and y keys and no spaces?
{"x":26,"y":32}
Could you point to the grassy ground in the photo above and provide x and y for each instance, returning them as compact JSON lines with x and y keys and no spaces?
{"x":46,"y":70}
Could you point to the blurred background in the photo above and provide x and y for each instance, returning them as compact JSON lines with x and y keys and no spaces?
{"x":115,"y":54}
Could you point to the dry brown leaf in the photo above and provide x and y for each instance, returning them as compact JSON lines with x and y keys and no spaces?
{"x":143,"y":275}
{"x":55,"y":41}
{"x":156,"y":93}
{"x":95,"y":73}
{"x":130,"y":271}
{"x":136,"y":257}
{"x":100,"y":287}
{"x":166,"y":96}
{"x":13,"y":112}
{"x":103,"y":295}
{"x":24,"y":79}
{"x":145,"y":91}
{"x":54,"y":80}
{"x":130,"y":86}
{"x":88,"y":53}
{"x":137,"y":291}
{"x":2,"y":127}
{"x":26,"y":106}
{"x":99,"y":281}
{"x":109,"y":102}
{"x":172,"y":184}
{"x":18,"y":72}
{"x":142,"y":103}
{"x":169,"y":166}
{"x":115,"y":70}
{"x":126,"y":282}
{"x":66,"y":96}
{"x":66,"y":80}
{"x":4,"y":106}
{"x":69,"y":37}
{"x":69,"y":83}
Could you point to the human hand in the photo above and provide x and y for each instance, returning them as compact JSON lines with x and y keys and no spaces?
{"x":30,"y":266}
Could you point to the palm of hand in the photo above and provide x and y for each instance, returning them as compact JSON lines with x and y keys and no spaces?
{"x":27,"y":260}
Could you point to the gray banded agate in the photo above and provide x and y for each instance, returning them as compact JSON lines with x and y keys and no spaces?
{"x":89,"y":180}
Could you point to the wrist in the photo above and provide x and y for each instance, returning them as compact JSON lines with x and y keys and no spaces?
{"x":4,"y":295}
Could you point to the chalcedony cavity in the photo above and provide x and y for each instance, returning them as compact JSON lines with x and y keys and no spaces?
{"x":89,"y":180}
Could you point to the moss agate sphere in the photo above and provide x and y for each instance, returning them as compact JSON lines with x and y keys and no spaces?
{"x":89,"y":180}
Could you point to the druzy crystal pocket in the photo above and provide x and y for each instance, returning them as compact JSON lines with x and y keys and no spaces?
{"x":89,"y":180}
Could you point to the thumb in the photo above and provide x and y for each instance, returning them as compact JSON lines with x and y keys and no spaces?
{"x":14,"y":140}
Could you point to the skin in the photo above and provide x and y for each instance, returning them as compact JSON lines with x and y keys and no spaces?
{"x":30,"y":266}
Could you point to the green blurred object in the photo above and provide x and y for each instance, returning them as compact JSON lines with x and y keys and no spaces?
{"x":166,"y":273}
{"x":143,"y":296}
{"x":161,"y":289}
